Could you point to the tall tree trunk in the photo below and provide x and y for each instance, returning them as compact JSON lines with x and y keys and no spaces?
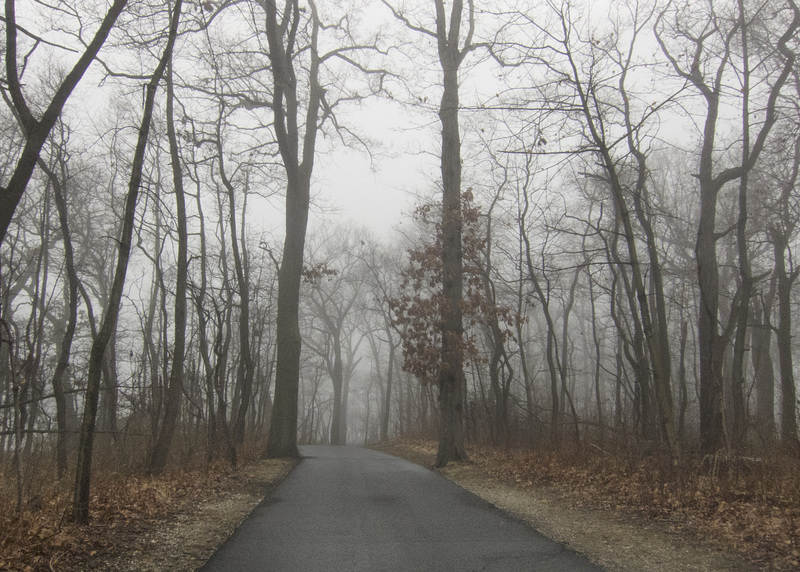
{"x":172,"y":407}
{"x":498,"y":360}
{"x":109,"y":393}
{"x":345,"y":402}
{"x":387,"y":403}
{"x":246,"y":369}
{"x":155,"y":320}
{"x":742,"y":312}
{"x":451,"y":379}
{"x":597,"y":357}
{"x":551,"y":349}
{"x":711,"y":344}
{"x":282,"y":440}
{"x":58,"y":381}
{"x":683,"y":400}
{"x":199,"y":298}
{"x":784,"y":338}
{"x":784,"y":279}
{"x":337,"y":379}
{"x":31,"y":387}
{"x":527,"y":382}
{"x":222,"y":350}
{"x":633,"y":342}
{"x":80,"y":502}
{"x":566,"y":353}
{"x":8,"y":340}
{"x":761,"y":357}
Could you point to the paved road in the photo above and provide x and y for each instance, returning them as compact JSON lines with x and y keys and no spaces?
{"x":351,"y":509}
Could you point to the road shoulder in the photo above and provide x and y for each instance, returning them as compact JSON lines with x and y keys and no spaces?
{"x":617,"y":542}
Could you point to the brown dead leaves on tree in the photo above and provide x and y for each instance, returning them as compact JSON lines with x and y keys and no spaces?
{"x":419,"y":309}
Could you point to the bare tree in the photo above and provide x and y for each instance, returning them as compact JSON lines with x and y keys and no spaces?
{"x":786,"y":273}
{"x":383,"y":267}
{"x":335,"y":290}
{"x":174,"y":392}
{"x":293,"y":32}
{"x":80,"y":502}
{"x":298,"y":161}
{"x":707,"y":48}
{"x":246,"y":369}
{"x":58,"y":176}
{"x":37,"y":130}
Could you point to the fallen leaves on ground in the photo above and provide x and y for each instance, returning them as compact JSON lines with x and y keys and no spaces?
{"x":40,"y":537}
{"x":748,"y":505}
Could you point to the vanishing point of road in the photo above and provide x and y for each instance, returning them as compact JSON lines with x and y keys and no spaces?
{"x":350,"y":509}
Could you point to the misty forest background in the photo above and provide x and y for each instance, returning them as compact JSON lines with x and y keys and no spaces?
{"x":628,"y":209}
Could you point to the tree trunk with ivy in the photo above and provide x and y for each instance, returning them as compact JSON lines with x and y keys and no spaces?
{"x":451,"y":375}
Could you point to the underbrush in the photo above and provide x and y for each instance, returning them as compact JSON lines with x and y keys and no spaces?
{"x":750,"y":505}
{"x":40,"y":536}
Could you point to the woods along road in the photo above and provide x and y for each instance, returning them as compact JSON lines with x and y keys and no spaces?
{"x":350,"y":509}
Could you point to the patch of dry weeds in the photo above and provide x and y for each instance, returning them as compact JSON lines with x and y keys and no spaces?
{"x":173,"y":522}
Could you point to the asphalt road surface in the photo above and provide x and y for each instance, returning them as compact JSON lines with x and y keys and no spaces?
{"x":351,"y":509}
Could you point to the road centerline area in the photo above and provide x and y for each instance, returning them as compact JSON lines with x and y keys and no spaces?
{"x":353,"y":509}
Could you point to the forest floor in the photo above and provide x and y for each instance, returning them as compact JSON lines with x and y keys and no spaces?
{"x":624,"y":517}
{"x":174,"y":522}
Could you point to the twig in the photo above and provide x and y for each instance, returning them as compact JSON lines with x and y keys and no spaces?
{"x":39,"y":39}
